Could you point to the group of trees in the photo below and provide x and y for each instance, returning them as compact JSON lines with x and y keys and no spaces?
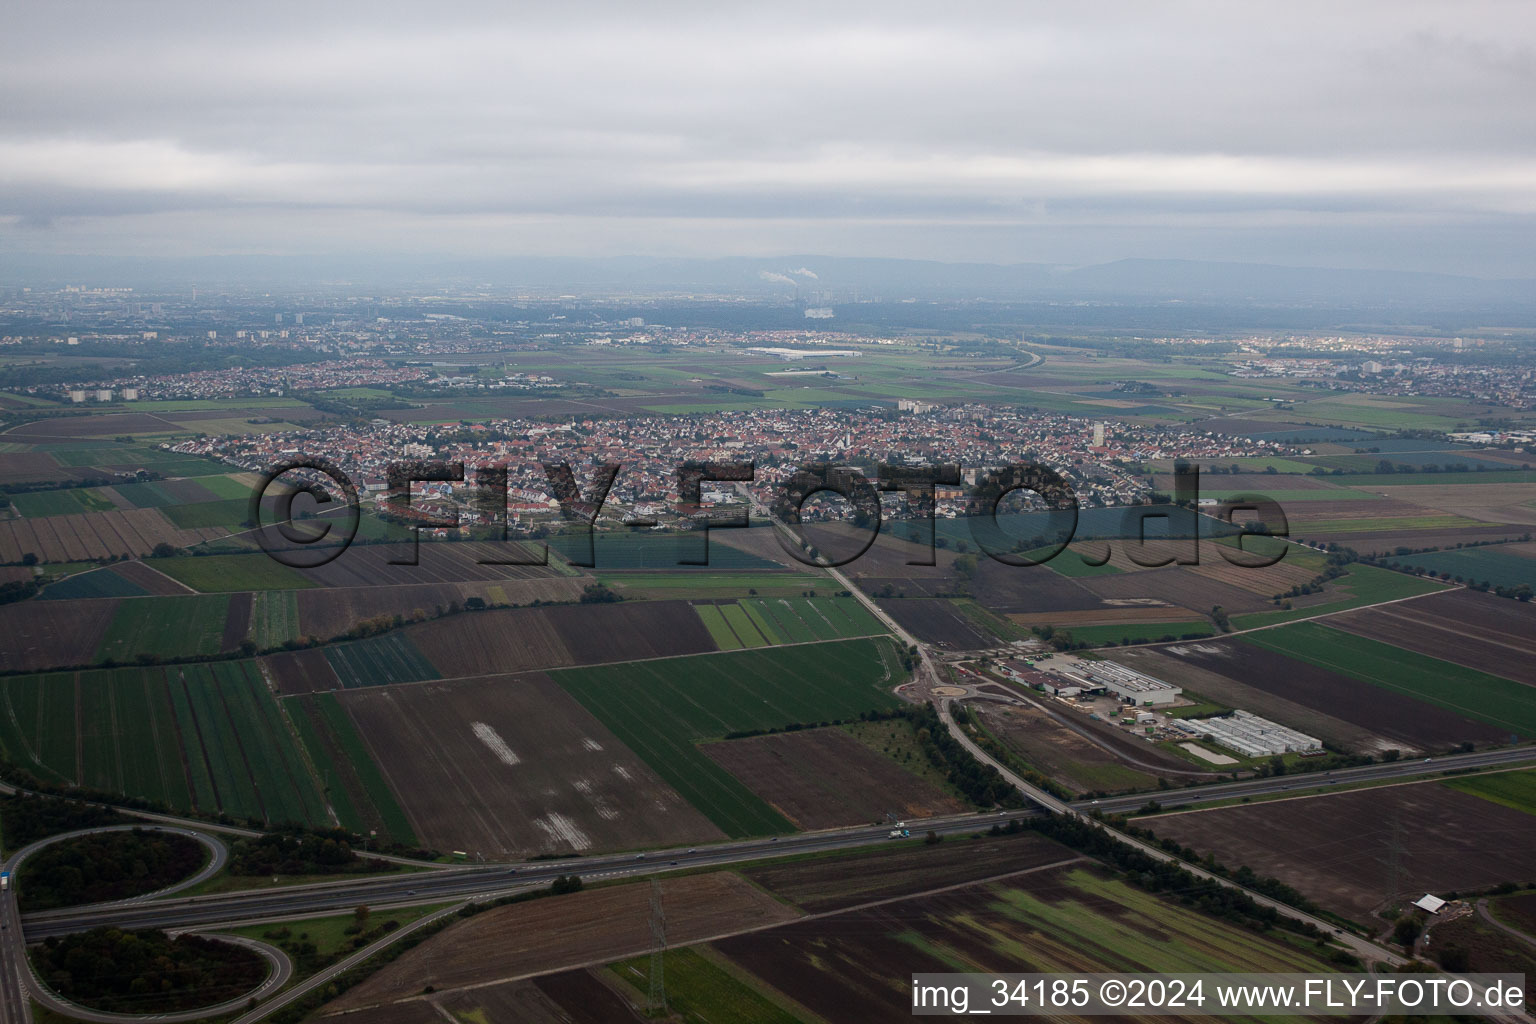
{"x":107,"y":866}
{"x":978,"y":782}
{"x":146,"y":971}
{"x":299,"y":853}
{"x":30,"y":818}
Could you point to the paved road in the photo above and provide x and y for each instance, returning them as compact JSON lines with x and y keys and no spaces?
{"x":1405,"y":769}
{"x":393,"y":890}
{"x":218,"y":856}
{"x":16,"y":978}
{"x":14,"y":1005}
{"x":324,"y":977}
{"x":207,"y":826}
{"x":467,"y":882}
{"x":1488,"y":918}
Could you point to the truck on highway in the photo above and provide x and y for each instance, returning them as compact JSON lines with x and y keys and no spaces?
{"x":5,"y":880}
{"x":900,"y":833}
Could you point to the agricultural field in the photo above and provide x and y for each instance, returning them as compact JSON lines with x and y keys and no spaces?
{"x":663,"y":709}
{"x":48,"y":634}
{"x":1343,"y":711}
{"x":821,"y":778}
{"x":168,"y":627}
{"x":195,"y":737}
{"x":942,"y":622}
{"x":520,"y":639}
{"x":75,"y":501}
{"x":350,"y":780}
{"x":699,"y":989}
{"x":1070,"y":757}
{"x":332,"y":612}
{"x":850,"y":878}
{"x":379,"y":661}
{"x":274,"y":619}
{"x":758,"y":622}
{"x":231,"y":514}
{"x":710,"y":586}
{"x":96,"y":583}
{"x":292,"y":672}
{"x":95,"y":536}
{"x":372,"y":565}
{"x":511,"y":767}
{"x":1362,"y":585}
{"x":1141,"y":632}
{"x":1512,"y":789}
{"x":655,"y":550}
{"x":1070,"y":917}
{"x":1500,"y":703}
{"x":1336,"y":849}
{"x":556,"y":933}
{"x":1499,"y":565}
{"x":215,"y":574}
{"x":1479,"y":631}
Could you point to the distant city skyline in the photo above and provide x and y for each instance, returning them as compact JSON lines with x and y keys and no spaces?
{"x":1370,"y":135}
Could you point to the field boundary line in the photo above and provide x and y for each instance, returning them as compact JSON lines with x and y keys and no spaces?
{"x":595,"y":664}
{"x":1292,"y":622}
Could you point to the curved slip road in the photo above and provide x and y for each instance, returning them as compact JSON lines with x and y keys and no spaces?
{"x":280,"y":970}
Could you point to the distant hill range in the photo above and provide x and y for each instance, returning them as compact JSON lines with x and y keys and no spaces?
{"x":813,"y":280}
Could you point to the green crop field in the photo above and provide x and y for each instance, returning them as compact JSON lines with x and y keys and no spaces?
{"x":1496,"y":564}
{"x":229,"y":513}
{"x":719,"y":630}
{"x":97,"y":583}
{"x":166,"y":627}
{"x":651,"y":550}
{"x":1487,"y":698}
{"x":1069,"y":563}
{"x":799,"y":619}
{"x":227,"y":488}
{"x":145,"y":495}
{"x":35,"y":504}
{"x":700,"y":990}
{"x":1363,"y":585}
{"x":351,"y":778}
{"x":663,"y":709}
{"x":1387,"y":523}
{"x":194,"y":737}
{"x":274,"y":618}
{"x":759,"y":621}
{"x":1119,"y":927}
{"x":1512,"y":789}
{"x":216,"y":574}
{"x":742,"y":626}
{"x":712,"y":585}
{"x":380,"y":660}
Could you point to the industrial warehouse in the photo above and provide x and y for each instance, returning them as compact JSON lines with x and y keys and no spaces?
{"x":1126,"y":683}
{"x":1249,"y":735}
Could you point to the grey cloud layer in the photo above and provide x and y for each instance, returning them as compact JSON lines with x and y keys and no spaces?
{"x":296,"y":118}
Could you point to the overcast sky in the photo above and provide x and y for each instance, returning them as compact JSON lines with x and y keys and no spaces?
{"x":1365,"y":134}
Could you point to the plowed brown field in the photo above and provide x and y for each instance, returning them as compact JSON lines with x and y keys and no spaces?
{"x":512,"y":766}
{"x":821,"y":778}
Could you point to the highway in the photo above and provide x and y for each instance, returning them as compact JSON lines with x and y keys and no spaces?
{"x":467,"y":882}
{"x":1390,"y":770}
